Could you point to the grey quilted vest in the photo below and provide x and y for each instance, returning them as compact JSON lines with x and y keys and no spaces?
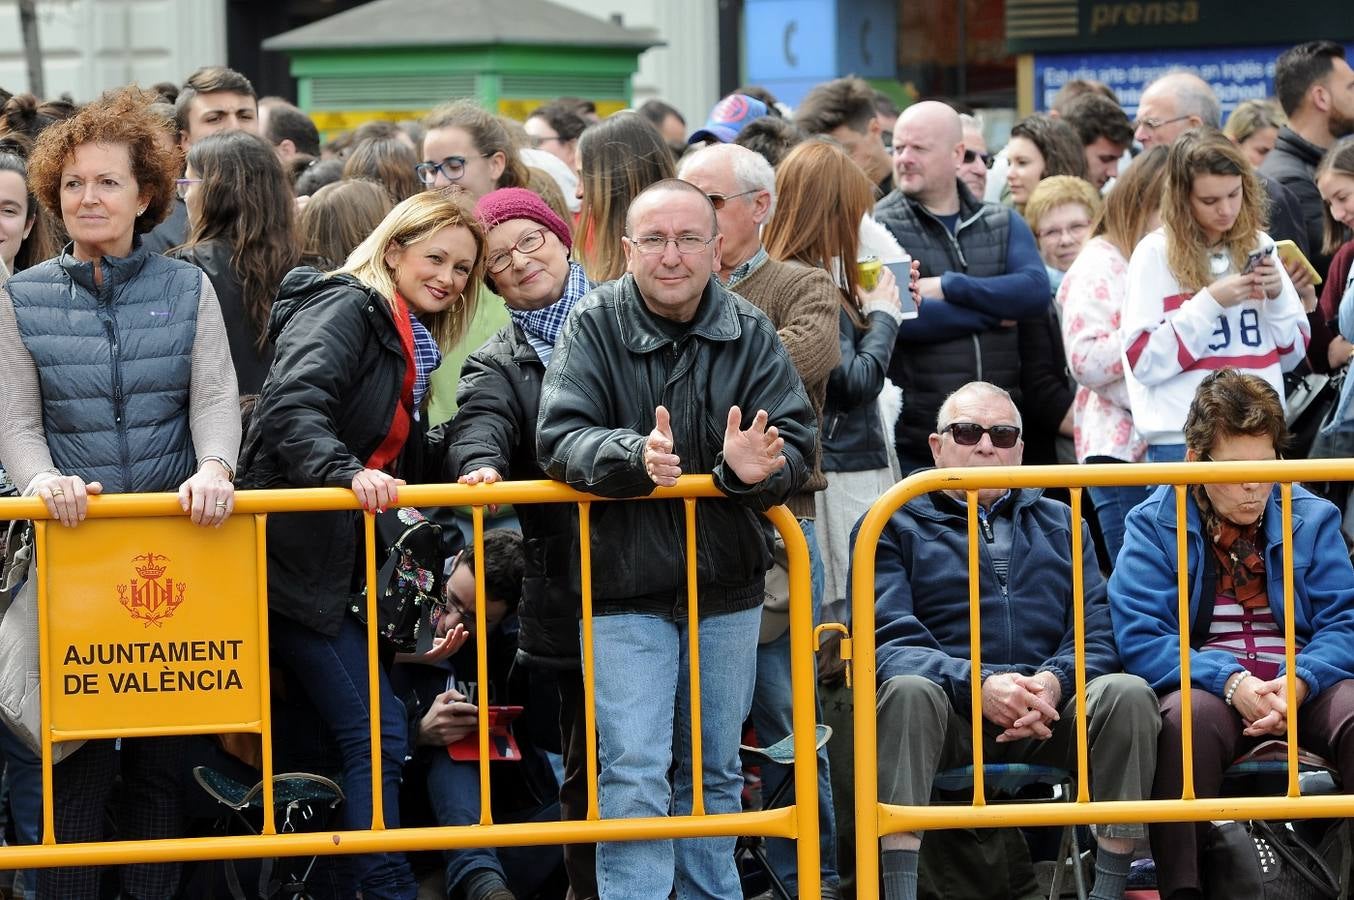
{"x":114,"y":364}
{"x":928,"y":373}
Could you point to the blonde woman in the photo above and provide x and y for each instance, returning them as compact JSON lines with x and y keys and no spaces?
{"x":1196,"y":302}
{"x":338,"y":410}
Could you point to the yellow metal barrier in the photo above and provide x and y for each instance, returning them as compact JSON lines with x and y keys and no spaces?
{"x":874,"y":819}
{"x":148,"y":532}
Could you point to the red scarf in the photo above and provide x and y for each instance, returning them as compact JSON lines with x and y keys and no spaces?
{"x":393,"y":445}
{"x":1241,"y":568}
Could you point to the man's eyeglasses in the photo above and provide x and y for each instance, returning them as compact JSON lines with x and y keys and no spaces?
{"x":183,"y":184}
{"x":537,"y":140}
{"x":967,"y":434}
{"x":970,"y":156}
{"x":527,"y":243}
{"x":719,"y":200}
{"x":654,"y":244}
{"x":452,"y":168}
{"x":1154,"y":124}
{"x":450,"y":602}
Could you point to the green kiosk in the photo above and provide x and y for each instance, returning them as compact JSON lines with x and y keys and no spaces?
{"x":397,"y":59}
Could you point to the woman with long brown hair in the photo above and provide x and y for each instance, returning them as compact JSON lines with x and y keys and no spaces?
{"x":1205,"y":291}
{"x":822,"y":197}
{"x":617,"y":158}
{"x":243,"y":235}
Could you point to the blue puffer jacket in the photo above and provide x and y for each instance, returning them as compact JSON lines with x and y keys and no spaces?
{"x":115,"y":365}
{"x":1143,"y":598}
{"x":922,"y":603}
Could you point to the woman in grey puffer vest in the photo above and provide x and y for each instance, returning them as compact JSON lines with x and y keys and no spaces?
{"x":118,"y":380}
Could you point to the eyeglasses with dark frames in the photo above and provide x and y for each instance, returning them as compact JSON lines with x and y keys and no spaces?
{"x":451,"y":167}
{"x":968,"y":434}
{"x":971,"y":155}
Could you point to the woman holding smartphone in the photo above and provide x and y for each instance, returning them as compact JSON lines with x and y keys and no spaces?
{"x":1205,"y":291}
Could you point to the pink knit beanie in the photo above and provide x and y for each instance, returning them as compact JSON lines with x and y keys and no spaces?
{"x":506,"y":204}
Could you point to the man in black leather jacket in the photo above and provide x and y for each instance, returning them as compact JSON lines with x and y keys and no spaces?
{"x":653,"y":379}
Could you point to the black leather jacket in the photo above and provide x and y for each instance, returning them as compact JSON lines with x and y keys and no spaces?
{"x":495,"y":426}
{"x":615,"y":365}
{"x":853,"y":434}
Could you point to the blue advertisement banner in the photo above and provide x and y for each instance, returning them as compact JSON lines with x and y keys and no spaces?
{"x":1236,"y":73}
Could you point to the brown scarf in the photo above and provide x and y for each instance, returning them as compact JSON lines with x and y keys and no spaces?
{"x":1241,"y":568}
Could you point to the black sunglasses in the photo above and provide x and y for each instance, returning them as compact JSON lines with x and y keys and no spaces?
{"x":967,"y":434}
{"x":971,"y":155}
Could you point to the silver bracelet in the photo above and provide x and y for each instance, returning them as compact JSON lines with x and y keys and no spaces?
{"x":230,"y":472}
{"x":1230,"y":693}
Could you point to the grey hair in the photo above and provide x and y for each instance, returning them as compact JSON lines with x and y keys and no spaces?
{"x":750,"y":168}
{"x":946,"y":414}
{"x":974,"y":123}
{"x":1194,"y":97}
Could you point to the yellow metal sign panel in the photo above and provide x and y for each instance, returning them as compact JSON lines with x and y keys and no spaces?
{"x":518,"y":108}
{"x":153,"y":623}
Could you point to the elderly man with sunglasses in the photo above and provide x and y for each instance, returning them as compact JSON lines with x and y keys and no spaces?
{"x":1028,"y":666}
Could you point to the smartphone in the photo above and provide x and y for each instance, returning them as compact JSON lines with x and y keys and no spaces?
{"x":1290,"y":254}
{"x":902,"y":273}
{"x":1255,"y":257}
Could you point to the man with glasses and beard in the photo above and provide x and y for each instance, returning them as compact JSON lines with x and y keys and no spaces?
{"x":1028,"y":668}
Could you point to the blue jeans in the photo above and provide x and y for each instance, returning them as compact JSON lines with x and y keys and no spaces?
{"x":23,"y":772}
{"x":1165,"y":452}
{"x":1112,"y":505}
{"x":333,"y":674}
{"x":643,"y":727}
{"x":771,"y":703}
{"x":454,"y":791}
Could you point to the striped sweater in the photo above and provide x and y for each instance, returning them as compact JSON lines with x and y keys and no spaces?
{"x":1173,"y":338}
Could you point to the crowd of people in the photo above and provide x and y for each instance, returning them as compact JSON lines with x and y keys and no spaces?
{"x":808,"y":304}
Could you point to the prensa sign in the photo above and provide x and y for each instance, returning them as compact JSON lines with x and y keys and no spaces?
{"x":153,"y":625}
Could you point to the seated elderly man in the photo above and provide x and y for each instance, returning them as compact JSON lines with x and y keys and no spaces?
{"x":1028,"y":662}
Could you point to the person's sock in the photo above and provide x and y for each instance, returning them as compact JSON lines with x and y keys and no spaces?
{"x":485,"y":884}
{"x":1111,"y":874}
{"x":900,"y":874}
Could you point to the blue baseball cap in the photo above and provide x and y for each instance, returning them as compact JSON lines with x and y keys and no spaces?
{"x":728,"y":118}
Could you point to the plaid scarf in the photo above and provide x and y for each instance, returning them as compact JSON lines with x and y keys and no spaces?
{"x":543,"y":326}
{"x":1241,"y":567}
{"x":426,"y":358}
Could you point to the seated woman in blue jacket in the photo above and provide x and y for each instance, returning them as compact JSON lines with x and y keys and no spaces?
{"x":1236,"y":628}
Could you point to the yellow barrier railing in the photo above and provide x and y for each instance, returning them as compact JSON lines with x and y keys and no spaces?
{"x":874,"y":819}
{"x":57,"y":610}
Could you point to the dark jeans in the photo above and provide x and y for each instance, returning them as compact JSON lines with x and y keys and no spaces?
{"x":454,"y":791}
{"x":1325,"y":726}
{"x":151,"y":807}
{"x":333,"y":674}
{"x":23,"y":776}
{"x":1112,"y":505}
{"x":580,"y":860}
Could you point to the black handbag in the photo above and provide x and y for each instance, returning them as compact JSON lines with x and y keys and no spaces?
{"x":1264,"y":861}
{"x":409,"y":579}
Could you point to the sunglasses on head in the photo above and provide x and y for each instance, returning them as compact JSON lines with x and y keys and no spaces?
{"x":967,"y":434}
{"x":971,"y":155}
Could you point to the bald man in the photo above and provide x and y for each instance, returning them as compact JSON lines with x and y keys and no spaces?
{"x":980,"y":271}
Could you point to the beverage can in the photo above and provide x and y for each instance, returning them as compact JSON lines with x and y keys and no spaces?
{"x":868,"y":268}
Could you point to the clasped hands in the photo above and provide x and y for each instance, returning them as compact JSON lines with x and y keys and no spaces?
{"x":753,"y":453}
{"x":1024,"y":705}
{"x":1263,"y":705}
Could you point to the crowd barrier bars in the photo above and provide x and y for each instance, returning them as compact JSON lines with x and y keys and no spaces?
{"x":118,"y":523}
{"x":874,"y":818}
